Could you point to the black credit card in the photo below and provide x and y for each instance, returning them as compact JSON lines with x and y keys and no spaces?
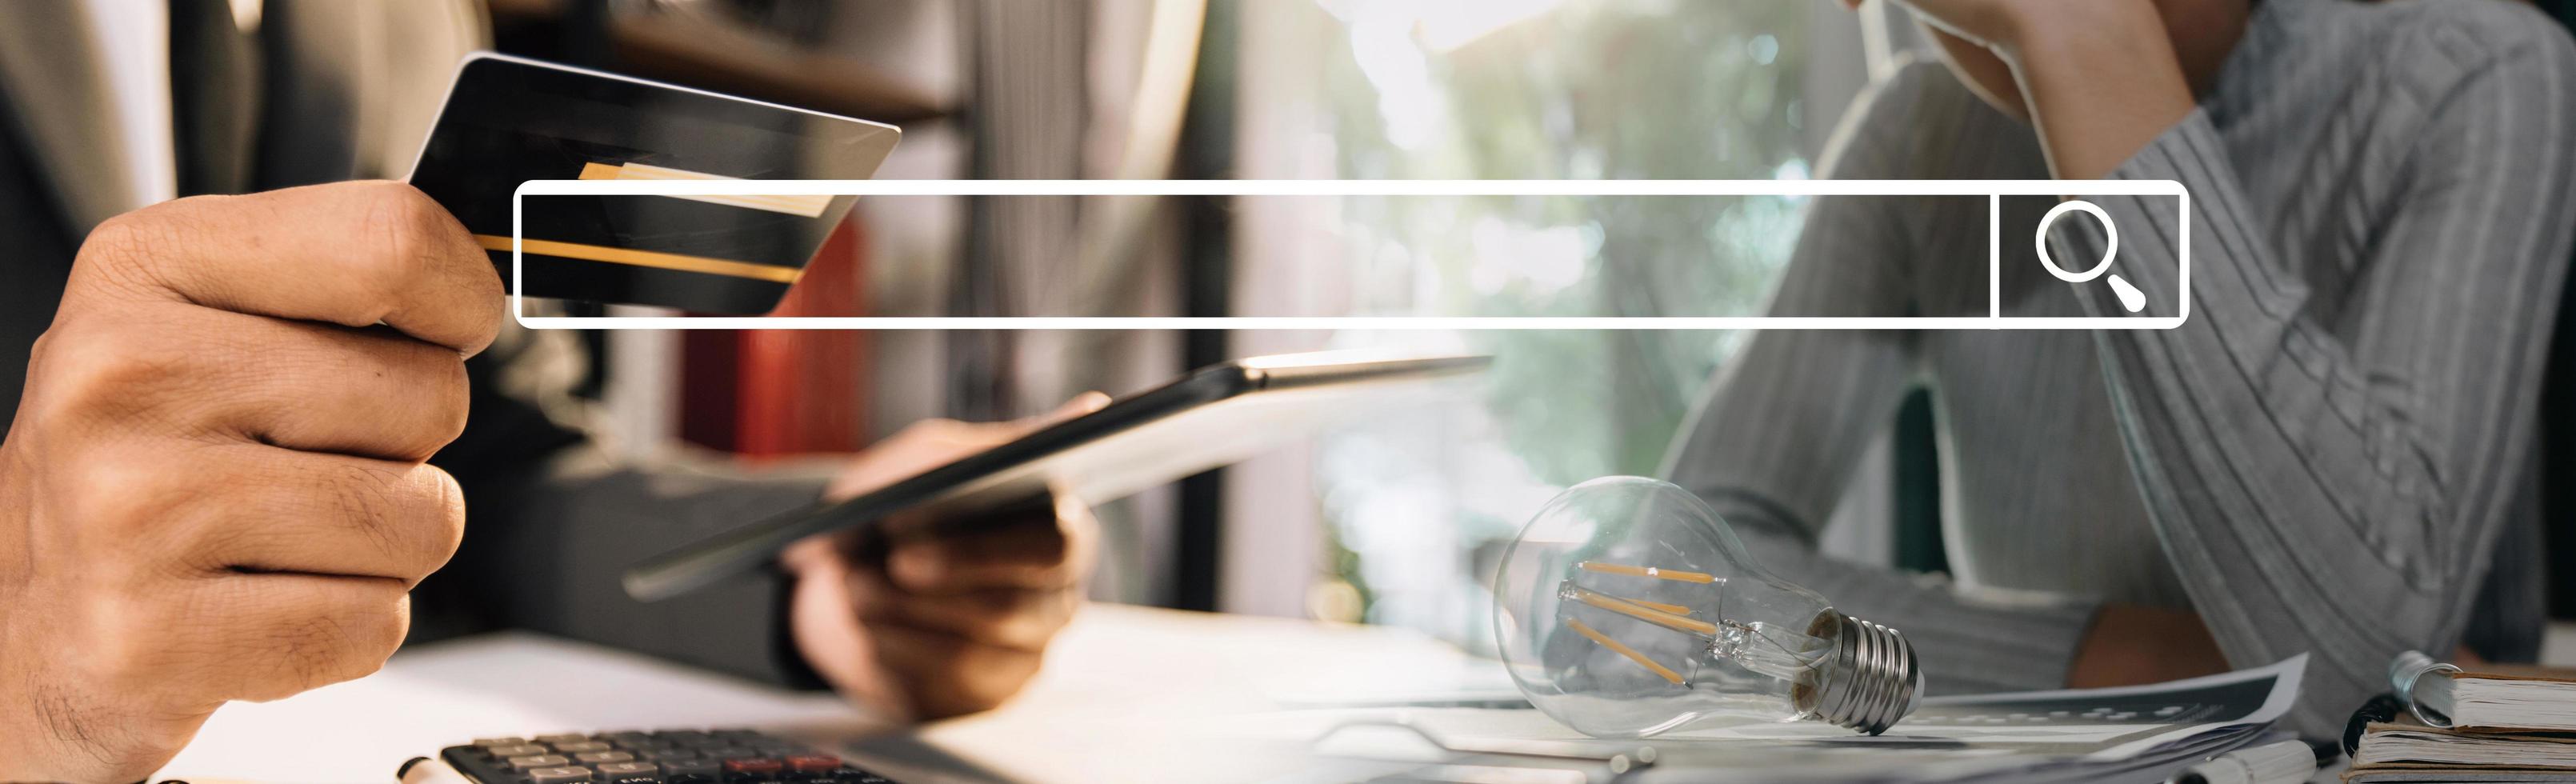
{"x":509,"y":120}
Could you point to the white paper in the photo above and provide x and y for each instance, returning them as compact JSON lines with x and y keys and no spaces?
{"x":2096,"y":730}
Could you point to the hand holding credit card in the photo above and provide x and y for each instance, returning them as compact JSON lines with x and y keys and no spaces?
{"x":509,"y":120}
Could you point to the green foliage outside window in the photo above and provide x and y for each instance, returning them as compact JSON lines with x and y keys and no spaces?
{"x":1606,"y":89}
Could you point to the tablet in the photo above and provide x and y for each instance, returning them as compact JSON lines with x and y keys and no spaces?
{"x":1214,"y":416}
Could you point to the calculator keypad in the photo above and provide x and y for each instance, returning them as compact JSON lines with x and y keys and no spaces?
{"x":723,"y":756}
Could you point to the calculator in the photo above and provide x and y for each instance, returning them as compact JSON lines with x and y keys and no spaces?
{"x":719,"y":756}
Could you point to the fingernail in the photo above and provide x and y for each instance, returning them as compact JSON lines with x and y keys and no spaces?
{"x":1085,"y":403}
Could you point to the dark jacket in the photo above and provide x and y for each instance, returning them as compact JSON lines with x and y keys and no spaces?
{"x":551,"y":521}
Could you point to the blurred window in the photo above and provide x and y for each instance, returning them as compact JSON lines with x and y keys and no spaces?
{"x":1622,"y":89}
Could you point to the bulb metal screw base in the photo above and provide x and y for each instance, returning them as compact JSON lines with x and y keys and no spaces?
{"x":1868,"y":683}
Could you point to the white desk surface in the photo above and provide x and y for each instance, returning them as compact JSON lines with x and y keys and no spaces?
{"x":1128,"y":695}
{"x":1125,"y":696}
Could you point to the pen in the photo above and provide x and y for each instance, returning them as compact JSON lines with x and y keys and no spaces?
{"x":2382,"y":708}
{"x":423,"y":770}
{"x":2270,"y":763}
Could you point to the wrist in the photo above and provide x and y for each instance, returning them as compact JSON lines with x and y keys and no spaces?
{"x":23,"y":744}
{"x":32,"y":750}
{"x":62,"y":716}
{"x":17,"y":558}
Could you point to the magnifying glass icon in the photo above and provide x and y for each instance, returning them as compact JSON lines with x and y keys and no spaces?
{"x":2130,"y":296}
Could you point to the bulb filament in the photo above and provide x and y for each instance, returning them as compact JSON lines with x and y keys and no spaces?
{"x":1646,"y":571}
{"x":1622,"y":649}
{"x":1782,"y":654}
{"x":1674,"y":617}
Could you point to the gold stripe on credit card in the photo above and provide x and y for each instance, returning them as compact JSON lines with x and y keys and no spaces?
{"x":646,"y":258}
{"x":807,"y":206}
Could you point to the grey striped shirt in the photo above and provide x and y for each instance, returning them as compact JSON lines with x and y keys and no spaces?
{"x":2334,"y":455}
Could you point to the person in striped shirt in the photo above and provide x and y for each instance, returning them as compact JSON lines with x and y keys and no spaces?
{"x":2334,"y":454}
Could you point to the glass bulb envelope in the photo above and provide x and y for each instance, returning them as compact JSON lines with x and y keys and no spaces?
{"x":1627,"y":608}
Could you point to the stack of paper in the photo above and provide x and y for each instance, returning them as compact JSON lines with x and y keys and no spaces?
{"x":2506,"y":727}
{"x":2140,"y":734}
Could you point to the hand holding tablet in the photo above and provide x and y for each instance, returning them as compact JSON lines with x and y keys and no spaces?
{"x":1213,"y":416}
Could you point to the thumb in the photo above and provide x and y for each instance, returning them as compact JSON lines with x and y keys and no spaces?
{"x":818,"y":555}
{"x":1081,"y":404}
{"x":981,"y":435}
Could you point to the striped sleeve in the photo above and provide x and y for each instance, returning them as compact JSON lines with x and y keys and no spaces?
{"x":2330,"y":470}
{"x":1779,"y":434}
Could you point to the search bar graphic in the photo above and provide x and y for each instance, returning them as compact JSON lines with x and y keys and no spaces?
{"x":2104,"y":271}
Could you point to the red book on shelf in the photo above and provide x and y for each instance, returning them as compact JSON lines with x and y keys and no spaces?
{"x":776,"y":393}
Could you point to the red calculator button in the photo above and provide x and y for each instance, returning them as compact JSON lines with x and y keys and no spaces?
{"x":754,"y":765}
{"x":813,"y":763}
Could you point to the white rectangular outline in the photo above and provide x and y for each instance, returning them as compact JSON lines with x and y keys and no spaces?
{"x":1994,"y":190}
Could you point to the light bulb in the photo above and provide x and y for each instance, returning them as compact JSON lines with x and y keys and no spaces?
{"x":1627,"y":608}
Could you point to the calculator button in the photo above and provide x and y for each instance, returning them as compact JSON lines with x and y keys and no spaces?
{"x":559,"y":775}
{"x":637,"y":780}
{"x":604,"y":756}
{"x":619,"y":768}
{"x":809,"y":763}
{"x":691,"y":778}
{"x":539,"y":761}
{"x":754,"y":765}
{"x":500,"y":742}
{"x":563,"y":737}
{"x":694,"y":766}
{"x":580,"y":746}
{"x":521,"y":750}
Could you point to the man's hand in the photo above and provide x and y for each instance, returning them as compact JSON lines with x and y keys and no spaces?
{"x":213,"y":489}
{"x":921,"y":626}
